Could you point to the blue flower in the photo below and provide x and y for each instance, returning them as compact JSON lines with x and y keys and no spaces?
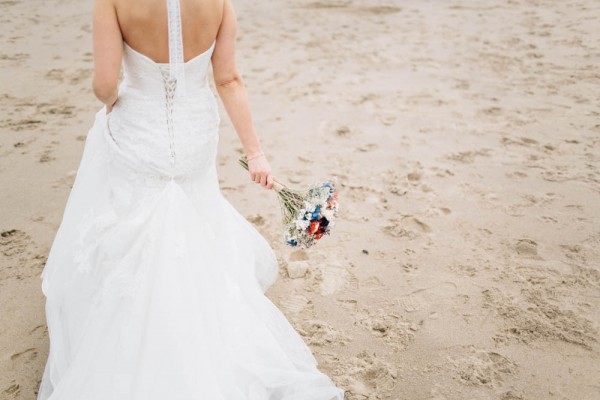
{"x":292,"y":243}
{"x":316,"y":214}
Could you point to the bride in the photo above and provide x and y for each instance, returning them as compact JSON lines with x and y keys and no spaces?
{"x":155,"y":284}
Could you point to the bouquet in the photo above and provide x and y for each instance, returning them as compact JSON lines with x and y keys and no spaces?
{"x":307,"y":215}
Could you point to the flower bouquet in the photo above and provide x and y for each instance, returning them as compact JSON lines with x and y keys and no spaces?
{"x":307,"y":215}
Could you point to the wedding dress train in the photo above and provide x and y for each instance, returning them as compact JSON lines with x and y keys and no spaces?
{"x":155,"y":284}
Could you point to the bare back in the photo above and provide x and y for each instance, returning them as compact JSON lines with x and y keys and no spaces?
{"x":143,"y":25}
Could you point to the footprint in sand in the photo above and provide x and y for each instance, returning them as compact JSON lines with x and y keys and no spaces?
{"x":334,"y":278}
{"x":510,"y":395}
{"x":65,"y":181}
{"x":22,"y":144}
{"x":27,"y":355}
{"x":408,"y":227}
{"x":14,"y":57}
{"x":39,"y":328}
{"x":349,"y":304}
{"x":388,"y":118}
{"x":381,"y":10}
{"x":445,"y":210}
{"x":491,"y":111}
{"x":334,"y":4}
{"x":516,"y":174}
{"x":534,"y":317}
{"x":19,"y":260}
{"x":12,"y":391}
{"x":434,"y":297}
{"x":256,"y":219}
{"x":24,"y":124}
{"x":483,"y":368}
{"x":13,"y":242}
{"x":46,"y":156}
{"x":468,"y":157}
{"x":367,"y":147}
{"x":372,"y":282}
{"x":527,"y":248}
{"x":442,"y":173}
{"x":320,"y":333}
{"x":60,"y":110}
{"x":80,"y":75}
{"x":414,"y":176}
{"x":343,"y":131}
{"x":547,"y":218}
{"x":298,"y":255}
{"x":397,"y":332}
{"x":521,"y":141}
{"x":296,"y":303}
{"x":417,"y":224}
{"x":366,"y":376}
{"x":296,"y":269}
{"x":463,"y":269}
{"x":56,"y":74}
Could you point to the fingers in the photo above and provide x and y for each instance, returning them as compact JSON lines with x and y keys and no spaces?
{"x":255,"y":177}
{"x":260,"y":172}
{"x":260,"y":178}
{"x":263,"y":180}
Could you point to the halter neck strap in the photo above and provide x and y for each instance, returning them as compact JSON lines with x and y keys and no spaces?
{"x":176,"y":59}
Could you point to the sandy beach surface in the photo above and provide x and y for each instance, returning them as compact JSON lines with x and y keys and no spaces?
{"x":466,"y":138}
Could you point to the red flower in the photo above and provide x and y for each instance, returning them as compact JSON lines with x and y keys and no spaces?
{"x":319,"y":235}
{"x":332,"y":201}
{"x":314,"y":227}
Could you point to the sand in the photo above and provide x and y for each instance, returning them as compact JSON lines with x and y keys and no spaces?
{"x":466,"y":139}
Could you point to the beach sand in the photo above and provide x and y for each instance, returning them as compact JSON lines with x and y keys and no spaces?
{"x":466,"y":139}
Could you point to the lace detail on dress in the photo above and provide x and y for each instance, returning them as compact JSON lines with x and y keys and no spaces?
{"x":176,"y":63}
{"x":170,"y":89}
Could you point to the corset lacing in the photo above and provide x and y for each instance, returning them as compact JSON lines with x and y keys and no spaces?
{"x":170,"y":89}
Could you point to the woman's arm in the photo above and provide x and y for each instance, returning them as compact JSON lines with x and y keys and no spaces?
{"x":108,"y":51}
{"x":232,"y":91}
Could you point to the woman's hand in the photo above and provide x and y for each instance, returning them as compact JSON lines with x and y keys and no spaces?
{"x":260,"y":170}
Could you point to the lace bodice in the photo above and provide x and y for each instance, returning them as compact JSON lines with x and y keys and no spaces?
{"x":144,"y":78}
{"x":165,"y":122}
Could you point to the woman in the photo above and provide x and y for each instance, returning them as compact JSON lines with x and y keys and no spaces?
{"x":155,"y":284}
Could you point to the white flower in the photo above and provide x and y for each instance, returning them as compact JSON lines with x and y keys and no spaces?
{"x":289,"y":235}
{"x":302,"y":224}
{"x":309,"y":206}
{"x":329,"y":214}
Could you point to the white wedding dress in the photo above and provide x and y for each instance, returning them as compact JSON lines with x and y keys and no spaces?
{"x":155,"y":284}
